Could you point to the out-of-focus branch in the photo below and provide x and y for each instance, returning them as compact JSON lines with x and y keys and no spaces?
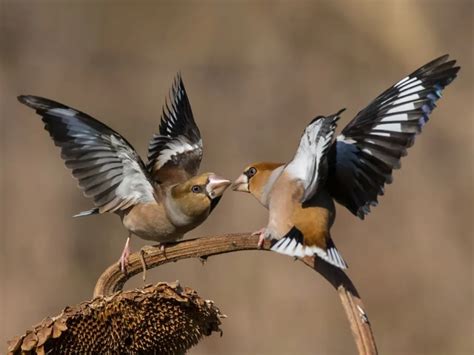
{"x":113,"y":280}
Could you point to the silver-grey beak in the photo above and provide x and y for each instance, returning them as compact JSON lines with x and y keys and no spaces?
{"x":216,"y":186}
{"x":241,"y":184}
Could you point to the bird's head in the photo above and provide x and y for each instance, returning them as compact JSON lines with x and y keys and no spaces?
{"x":254,"y":178}
{"x":199,"y":195}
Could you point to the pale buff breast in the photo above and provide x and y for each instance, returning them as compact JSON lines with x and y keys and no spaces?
{"x":283,"y":201}
{"x":149,"y":221}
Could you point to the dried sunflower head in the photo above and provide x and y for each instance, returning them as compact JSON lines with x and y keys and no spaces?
{"x":165,"y":319}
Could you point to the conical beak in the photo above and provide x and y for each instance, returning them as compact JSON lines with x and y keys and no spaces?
{"x":241,"y":184}
{"x":216,"y":186}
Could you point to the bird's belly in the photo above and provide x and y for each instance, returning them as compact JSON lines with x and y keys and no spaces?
{"x":149,"y":221}
{"x":315,"y":219}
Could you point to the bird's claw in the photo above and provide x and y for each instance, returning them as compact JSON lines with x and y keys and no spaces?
{"x":124,"y":260}
{"x":261,"y":236}
{"x":259,"y":232}
{"x":163,"y":250}
{"x":124,"y":257}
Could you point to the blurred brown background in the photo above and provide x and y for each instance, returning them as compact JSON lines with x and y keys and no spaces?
{"x":256,"y":73}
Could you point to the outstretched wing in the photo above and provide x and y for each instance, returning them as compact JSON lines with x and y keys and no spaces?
{"x":175,"y":153}
{"x":371,"y":145}
{"x":309,"y":165}
{"x":106,"y":165}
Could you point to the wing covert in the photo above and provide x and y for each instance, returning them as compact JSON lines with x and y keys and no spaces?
{"x":309,"y":164}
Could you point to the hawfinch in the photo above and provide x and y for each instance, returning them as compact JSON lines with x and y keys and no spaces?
{"x":158,"y":201}
{"x":352,"y":169}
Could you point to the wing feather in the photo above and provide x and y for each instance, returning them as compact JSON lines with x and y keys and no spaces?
{"x":106,"y":165}
{"x":309,"y":163}
{"x":175,"y":152}
{"x":371,"y":145}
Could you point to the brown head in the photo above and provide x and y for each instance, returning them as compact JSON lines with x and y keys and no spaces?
{"x":199,"y":195}
{"x":254,"y":178}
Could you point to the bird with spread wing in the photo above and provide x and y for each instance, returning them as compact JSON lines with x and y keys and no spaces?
{"x":351,"y":169}
{"x":158,"y":201}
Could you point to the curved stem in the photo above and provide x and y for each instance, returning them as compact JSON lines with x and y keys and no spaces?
{"x":113,"y":280}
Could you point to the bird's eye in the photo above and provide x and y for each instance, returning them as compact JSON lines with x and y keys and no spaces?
{"x":251,"y":172}
{"x":196,"y":189}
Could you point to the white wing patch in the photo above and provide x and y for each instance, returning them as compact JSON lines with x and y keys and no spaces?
{"x":311,"y":153}
{"x":135,"y":185}
{"x":175,"y":147}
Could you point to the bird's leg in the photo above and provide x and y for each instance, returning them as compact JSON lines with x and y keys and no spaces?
{"x":125,"y":254}
{"x":261,"y":236}
{"x":163,"y":248}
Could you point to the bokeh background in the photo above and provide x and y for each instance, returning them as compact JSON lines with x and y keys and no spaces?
{"x":256,"y":73}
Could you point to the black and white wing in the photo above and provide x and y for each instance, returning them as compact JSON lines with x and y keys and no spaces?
{"x":175,"y":153}
{"x":309,"y":164}
{"x":371,"y":145}
{"x":106,"y":165}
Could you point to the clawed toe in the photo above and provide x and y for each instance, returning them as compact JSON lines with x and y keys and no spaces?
{"x":124,"y":257}
{"x":261,"y":236}
{"x":259,"y":232}
{"x":124,"y":262}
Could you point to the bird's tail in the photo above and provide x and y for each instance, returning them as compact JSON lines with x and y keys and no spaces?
{"x":292,"y":244}
{"x":87,"y":213}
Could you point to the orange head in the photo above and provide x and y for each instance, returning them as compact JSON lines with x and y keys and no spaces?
{"x":254,"y":178}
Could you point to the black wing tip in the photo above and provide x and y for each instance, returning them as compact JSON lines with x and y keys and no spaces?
{"x":336,"y":116}
{"x":333,"y":117}
{"x":437,"y":61}
{"x":440,"y":64}
{"x":179,"y":78}
{"x":177,"y":117}
{"x":35,"y":102}
{"x":39,"y":103}
{"x":178,"y":85}
{"x":177,"y":92}
{"x":23,"y":98}
{"x":338,"y":113}
{"x":444,"y":59}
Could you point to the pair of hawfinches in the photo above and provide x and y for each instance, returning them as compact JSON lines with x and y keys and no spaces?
{"x":164,"y":198}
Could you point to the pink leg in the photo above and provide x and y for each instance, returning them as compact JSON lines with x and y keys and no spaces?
{"x":124,"y":257}
{"x":163,"y":249}
{"x":261,"y":236}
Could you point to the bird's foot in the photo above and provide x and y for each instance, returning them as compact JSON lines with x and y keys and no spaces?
{"x":163,"y":249}
{"x":261,"y":236}
{"x":124,"y":257}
